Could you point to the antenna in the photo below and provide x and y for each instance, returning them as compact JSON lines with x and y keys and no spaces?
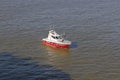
{"x":52,"y":27}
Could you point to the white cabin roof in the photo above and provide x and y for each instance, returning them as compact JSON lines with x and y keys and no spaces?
{"x":52,"y":32}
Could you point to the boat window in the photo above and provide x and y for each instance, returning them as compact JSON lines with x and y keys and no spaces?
{"x":57,"y":38}
{"x":53,"y":37}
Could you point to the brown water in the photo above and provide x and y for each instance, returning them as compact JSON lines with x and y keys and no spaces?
{"x":92,"y":25}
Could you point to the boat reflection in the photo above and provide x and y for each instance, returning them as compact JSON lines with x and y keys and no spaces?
{"x":58,"y":57}
{"x":56,"y":50}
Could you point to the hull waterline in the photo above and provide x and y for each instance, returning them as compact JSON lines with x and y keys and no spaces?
{"x":52,"y":44}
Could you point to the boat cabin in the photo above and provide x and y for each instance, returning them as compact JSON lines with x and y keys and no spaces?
{"x":54,"y":36}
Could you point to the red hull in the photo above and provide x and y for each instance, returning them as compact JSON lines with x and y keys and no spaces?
{"x":55,"y":44}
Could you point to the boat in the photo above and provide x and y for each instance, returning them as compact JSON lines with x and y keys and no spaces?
{"x":56,"y":40}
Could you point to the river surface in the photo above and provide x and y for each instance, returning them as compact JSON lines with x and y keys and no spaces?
{"x":93,"y":26}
